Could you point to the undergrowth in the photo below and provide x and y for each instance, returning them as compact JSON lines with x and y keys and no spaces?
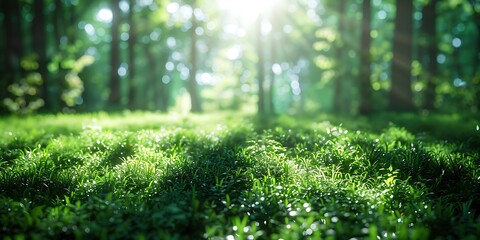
{"x":229,"y":176}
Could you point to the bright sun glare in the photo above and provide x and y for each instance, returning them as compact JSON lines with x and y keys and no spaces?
{"x":246,"y":10}
{"x":104,"y":15}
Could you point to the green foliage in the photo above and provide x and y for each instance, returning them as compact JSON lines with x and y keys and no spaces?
{"x":74,"y":87}
{"x":26,"y":92}
{"x":222,"y":176}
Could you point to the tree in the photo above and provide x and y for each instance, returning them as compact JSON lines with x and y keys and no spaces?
{"x":339,"y":53}
{"x":260,"y":66}
{"x":192,"y":83}
{"x":476,"y":56}
{"x":429,"y":27}
{"x":39,"y":41}
{"x":131,"y":57}
{"x":58,"y":32}
{"x":159,"y":88}
{"x":401,"y":96}
{"x":114,"y":98}
{"x":273,"y":57}
{"x":13,"y":46}
{"x":365,"y":60}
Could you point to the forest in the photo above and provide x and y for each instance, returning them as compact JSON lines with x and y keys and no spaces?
{"x":240,"y":119}
{"x":280,"y":56}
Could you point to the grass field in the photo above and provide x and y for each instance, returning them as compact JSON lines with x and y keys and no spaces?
{"x":233,"y":176}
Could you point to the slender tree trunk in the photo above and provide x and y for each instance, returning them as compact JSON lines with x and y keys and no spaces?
{"x":429,"y":27}
{"x":159,"y":88}
{"x":365,"y":60}
{"x":192,"y":83}
{"x":271,"y":96}
{"x":476,"y":55}
{"x":59,"y":31}
{"x":401,"y":96}
{"x":260,"y":66}
{"x":58,"y":21}
{"x":131,"y":57}
{"x":13,"y":47}
{"x":476,"y":19}
{"x":476,"y":63}
{"x":38,"y":29}
{"x":72,"y":24}
{"x":337,"y":95}
{"x":153,"y":79}
{"x":162,"y":89}
{"x":273,"y":56}
{"x":114,"y":98}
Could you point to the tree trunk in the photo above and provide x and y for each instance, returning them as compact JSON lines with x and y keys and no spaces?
{"x":131,"y":57}
{"x":192,"y":83}
{"x":365,"y":61}
{"x":273,"y":56}
{"x":337,"y":95}
{"x":13,"y":47}
{"x":476,"y":56}
{"x":59,"y":23}
{"x":39,"y":39}
{"x":114,"y":98}
{"x":476,"y":70}
{"x":401,"y":96}
{"x":429,"y":27}
{"x":72,"y":23}
{"x":260,"y":67}
{"x":159,"y":88}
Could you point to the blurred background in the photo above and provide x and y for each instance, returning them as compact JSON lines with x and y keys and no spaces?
{"x":265,"y":56}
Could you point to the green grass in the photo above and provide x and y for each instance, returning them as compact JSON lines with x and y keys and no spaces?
{"x":233,"y":176}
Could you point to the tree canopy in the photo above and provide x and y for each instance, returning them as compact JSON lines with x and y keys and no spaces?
{"x":271,"y":57}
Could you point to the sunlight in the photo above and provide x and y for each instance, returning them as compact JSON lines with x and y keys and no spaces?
{"x":246,"y":10}
{"x":104,"y":15}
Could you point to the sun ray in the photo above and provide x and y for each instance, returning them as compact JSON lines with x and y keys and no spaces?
{"x":246,"y":11}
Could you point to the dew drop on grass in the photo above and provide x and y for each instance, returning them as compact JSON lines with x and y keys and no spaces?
{"x":330,"y":232}
{"x":293,"y":213}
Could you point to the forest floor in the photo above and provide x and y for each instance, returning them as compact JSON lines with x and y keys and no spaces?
{"x":234,"y":176}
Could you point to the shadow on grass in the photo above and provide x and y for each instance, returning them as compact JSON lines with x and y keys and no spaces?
{"x":176,"y":202}
{"x":218,"y":181}
{"x":441,"y":160}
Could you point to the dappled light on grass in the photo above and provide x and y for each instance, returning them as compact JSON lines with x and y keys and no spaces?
{"x":207,"y":176}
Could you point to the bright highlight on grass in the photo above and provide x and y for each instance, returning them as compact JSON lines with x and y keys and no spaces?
{"x":227,"y":176}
